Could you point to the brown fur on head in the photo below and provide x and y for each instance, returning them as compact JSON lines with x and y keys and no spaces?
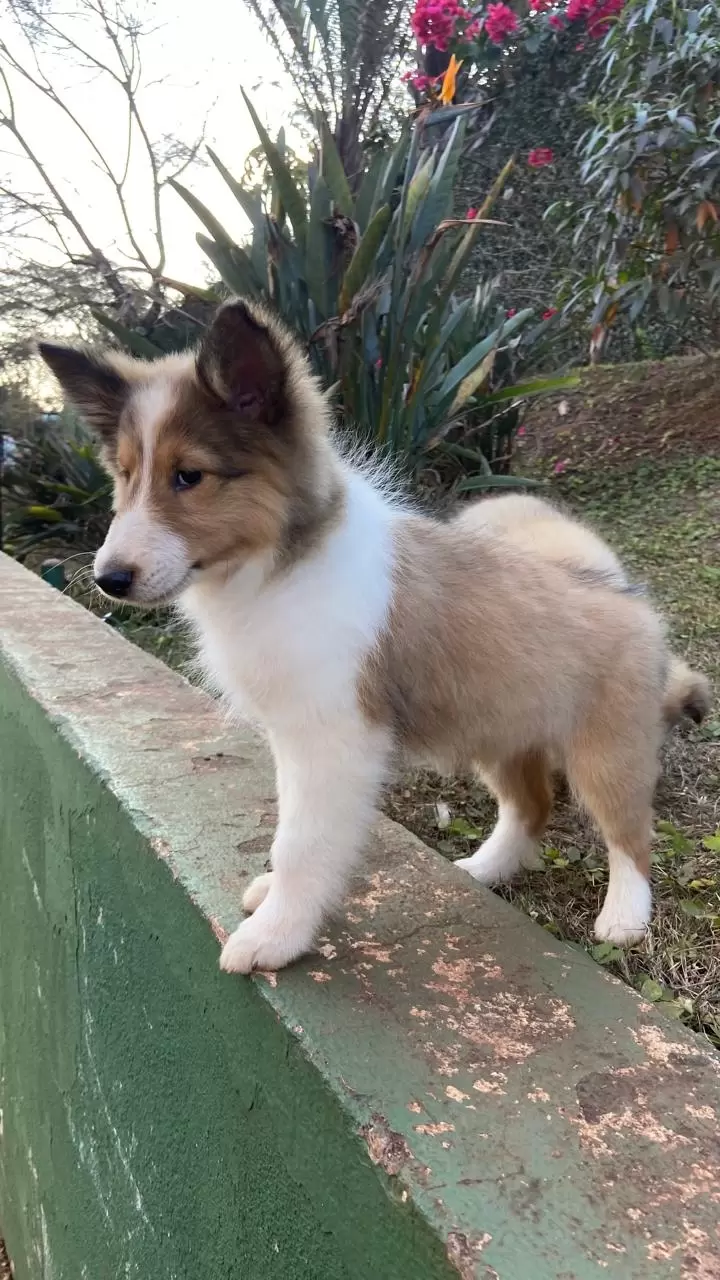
{"x":217,"y":455}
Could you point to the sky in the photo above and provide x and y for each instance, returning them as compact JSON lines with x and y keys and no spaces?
{"x":195,"y":60}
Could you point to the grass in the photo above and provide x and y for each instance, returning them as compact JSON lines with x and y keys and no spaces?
{"x":664,"y":520}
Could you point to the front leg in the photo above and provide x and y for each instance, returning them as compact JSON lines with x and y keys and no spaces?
{"x":329,"y":777}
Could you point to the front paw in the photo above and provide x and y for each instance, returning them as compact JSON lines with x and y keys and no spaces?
{"x":267,"y":940}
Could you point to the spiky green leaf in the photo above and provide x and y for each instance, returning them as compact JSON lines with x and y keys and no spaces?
{"x":208,"y":219}
{"x":136,"y":343}
{"x":293,"y":202}
{"x":364,"y":258}
{"x":331,"y":169}
{"x":233,"y":264}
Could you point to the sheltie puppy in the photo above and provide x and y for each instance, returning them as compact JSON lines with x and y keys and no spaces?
{"x":505,"y":640}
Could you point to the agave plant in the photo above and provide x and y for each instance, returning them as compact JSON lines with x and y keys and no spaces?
{"x":370,"y":281}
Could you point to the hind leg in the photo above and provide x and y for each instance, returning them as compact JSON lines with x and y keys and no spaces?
{"x":617,"y":787}
{"x":524,"y":793}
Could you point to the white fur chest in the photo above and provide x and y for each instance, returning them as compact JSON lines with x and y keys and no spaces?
{"x":287,"y":650}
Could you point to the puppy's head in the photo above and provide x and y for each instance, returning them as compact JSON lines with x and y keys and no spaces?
{"x":211,"y":452}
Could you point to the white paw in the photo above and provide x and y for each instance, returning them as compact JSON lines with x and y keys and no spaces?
{"x":622,"y":929}
{"x":266,"y":940}
{"x":626,"y":911}
{"x":501,"y":857}
{"x":256,"y":892}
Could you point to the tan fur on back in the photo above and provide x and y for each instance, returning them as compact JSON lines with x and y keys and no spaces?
{"x":545,"y":530}
{"x":494,"y":649}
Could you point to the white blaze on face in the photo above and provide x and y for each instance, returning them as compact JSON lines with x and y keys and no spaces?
{"x":137,"y":539}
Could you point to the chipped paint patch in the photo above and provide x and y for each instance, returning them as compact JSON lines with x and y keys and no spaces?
{"x":318,"y":975}
{"x":464,"y":1251}
{"x":221,"y":934}
{"x":386,"y":1147}
{"x":442,"y":1126}
{"x":268,"y":975}
{"x":455,"y":1095}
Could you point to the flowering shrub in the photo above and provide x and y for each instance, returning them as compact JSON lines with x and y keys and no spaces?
{"x":480,"y":34}
{"x":650,"y":163}
{"x":500,"y":22}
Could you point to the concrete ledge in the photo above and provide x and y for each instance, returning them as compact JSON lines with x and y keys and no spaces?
{"x":445,"y":1089}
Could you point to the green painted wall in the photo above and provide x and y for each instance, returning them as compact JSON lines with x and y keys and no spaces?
{"x":159,"y":1121}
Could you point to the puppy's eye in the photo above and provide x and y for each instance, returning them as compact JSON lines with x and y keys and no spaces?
{"x":186,"y":480}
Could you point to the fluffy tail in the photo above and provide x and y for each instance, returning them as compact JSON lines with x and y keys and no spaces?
{"x":687,"y":693}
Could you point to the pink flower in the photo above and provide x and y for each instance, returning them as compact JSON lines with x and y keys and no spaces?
{"x":556,"y":22}
{"x":548,"y":315}
{"x":512,"y":311}
{"x":433,"y":22}
{"x":539,"y":6}
{"x":560,"y":467}
{"x":473,"y":30}
{"x":378,"y":363}
{"x":472,"y":212}
{"x":500,"y":22}
{"x":522,"y":431}
{"x":596,"y":14}
{"x":540,"y":156}
{"x":579,"y":9}
{"x":420,"y":83}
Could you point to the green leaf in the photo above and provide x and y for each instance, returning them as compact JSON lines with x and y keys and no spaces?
{"x":208,"y":219}
{"x":363,"y":259}
{"x":473,"y":382}
{"x":365,"y":202}
{"x":712,"y":843}
{"x":331,"y":169}
{"x":651,"y":990}
{"x":476,"y":354}
{"x":292,"y":201}
{"x":136,"y":343}
{"x":472,"y":483}
{"x":461,"y":827}
{"x":45,"y":513}
{"x":606,"y":952}
{"x":318,"y":251}
{"x":249,"y":201}
{"x":235,"y":268}
{"x":438,"y":204}
{"x":536,"y":387}
{"x":419,"y":185}
{"x":699,"y":910}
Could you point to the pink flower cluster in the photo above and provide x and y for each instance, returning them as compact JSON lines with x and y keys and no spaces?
{"x":419,"y":82}
{"x":500,"y":22}
{"x":595,"y":13}
{"x":434,"y":21}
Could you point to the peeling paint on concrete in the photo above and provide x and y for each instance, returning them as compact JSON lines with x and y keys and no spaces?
{"x":386,"y":1147}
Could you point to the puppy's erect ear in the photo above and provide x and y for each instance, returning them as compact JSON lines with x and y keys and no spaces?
{"x":244,"y":363}
{"x":91,"y":383}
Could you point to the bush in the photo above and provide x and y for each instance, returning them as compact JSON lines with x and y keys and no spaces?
{"x":55,"y":490}
{"x":651,"y":163}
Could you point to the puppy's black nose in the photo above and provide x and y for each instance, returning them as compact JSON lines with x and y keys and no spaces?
{"x":116,"y":583}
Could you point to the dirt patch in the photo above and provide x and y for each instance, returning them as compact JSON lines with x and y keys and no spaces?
{"x":620,"y":414}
